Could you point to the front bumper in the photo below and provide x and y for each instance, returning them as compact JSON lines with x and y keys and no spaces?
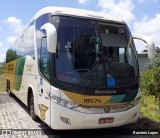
{"x":78,"y":120}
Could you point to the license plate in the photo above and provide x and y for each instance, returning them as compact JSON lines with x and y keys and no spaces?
{"x":106,"y":120}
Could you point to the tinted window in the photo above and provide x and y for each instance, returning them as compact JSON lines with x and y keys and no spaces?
{"x":11,"y":55}
{"x":25,"y":43}
{"x":89,"y":51}
{"x":44,"y":59}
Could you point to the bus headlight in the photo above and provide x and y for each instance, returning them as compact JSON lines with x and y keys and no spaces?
{"x":63,"y":102}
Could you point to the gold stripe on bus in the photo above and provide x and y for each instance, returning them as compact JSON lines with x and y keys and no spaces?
{"x":10,"y":73}
{"x":87,"y":99}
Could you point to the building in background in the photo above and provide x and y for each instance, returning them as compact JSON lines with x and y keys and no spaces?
{"x":142,"y":58}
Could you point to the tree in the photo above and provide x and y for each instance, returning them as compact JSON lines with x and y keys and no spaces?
{"x":10,"y":55}
{"x":150,"y":80}
{"x":145,"y":50}
{"x":157,"y":49}
{"x":2,"y":69}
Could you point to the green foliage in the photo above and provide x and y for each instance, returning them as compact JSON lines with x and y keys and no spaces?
{"x":2,"y":69}
{"x":154,"y":62}
{"x":150,"y":81}
{"x":10,"y":55}
{"x":2,"y":83}
{"x":149,"y":108}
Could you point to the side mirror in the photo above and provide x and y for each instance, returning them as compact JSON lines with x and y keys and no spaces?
{"x":51,"y":37}
{"x":149,"y":42}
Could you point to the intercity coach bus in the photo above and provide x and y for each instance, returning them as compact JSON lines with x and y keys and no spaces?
{"x":76,"y":69}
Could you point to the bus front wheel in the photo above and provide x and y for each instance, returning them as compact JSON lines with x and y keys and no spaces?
{"x":31,"y":108}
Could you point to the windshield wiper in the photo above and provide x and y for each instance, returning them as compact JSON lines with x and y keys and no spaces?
{"x":79,"y":70}
{"x":91,"y":72}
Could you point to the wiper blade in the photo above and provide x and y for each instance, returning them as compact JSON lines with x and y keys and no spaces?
{"x":79,"y":70}
{"x":129,"y":43}
{"x":91,"y":72}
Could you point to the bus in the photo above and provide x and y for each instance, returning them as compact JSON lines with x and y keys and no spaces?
{"x":76,"y":69}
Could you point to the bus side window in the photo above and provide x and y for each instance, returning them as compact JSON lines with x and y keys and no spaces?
{"x":44,"y":59}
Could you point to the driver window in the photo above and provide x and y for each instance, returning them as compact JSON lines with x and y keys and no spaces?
{"x":44,"y":59}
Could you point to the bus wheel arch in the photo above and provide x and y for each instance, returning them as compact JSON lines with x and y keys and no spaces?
{"x":30,"y":103}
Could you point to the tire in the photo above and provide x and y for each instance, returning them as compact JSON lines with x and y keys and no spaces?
{"x":8,"y":88}
{"x":31,"y":108}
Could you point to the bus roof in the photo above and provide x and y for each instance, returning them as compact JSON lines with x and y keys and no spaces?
{"x":72,"y":12}
{"x":76,"y":12}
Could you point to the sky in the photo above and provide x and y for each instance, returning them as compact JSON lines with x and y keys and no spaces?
{"x":142,"y":16}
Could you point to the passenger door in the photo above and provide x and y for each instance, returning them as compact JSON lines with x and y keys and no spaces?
{"x":45,"y":87}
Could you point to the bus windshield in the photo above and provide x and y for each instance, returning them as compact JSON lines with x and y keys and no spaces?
{"x":89,"y":50}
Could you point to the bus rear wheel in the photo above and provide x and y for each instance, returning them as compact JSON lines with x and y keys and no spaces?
{"x":8,"y":88}
{"x":31,"y":108}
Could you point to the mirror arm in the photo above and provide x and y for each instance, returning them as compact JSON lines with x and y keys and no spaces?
{"x":149,"y":42}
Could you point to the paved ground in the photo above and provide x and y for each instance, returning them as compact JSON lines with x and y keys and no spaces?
{"x":14,"y":115}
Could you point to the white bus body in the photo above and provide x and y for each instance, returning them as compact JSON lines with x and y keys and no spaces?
{"x":75,"y":69}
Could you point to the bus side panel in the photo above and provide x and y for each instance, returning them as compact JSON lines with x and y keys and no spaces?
{"x":29,"y":79}
{"x":10,"y":73}
{"x":18,"y":73}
